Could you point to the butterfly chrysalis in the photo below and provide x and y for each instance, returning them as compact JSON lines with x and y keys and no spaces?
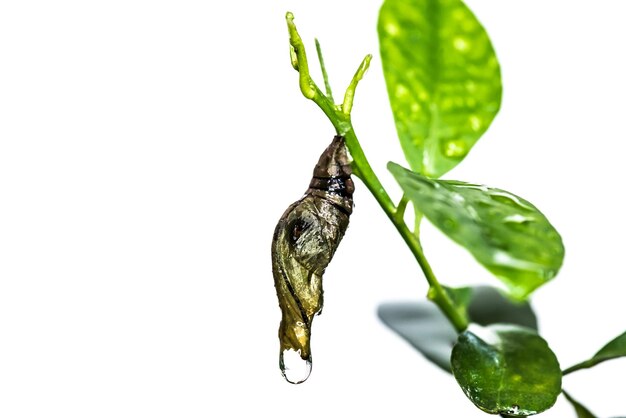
{"x":304,"y":242}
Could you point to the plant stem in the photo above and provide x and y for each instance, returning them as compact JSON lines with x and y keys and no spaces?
{"x":340,"y":118}
{"x":401,"y":208}
{"x":583,"y":365}
{"x":436,"y":293}
{"x":320,"y":57}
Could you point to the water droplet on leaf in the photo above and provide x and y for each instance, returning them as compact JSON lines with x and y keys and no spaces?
{"x":294,"y":368}
{"x":518,"y":219}
{"x":461,"y":43}
{"x":401,"y":91}
{"x":514,"y":410}
{"x":455,"y":149}
{"x":470,"y":86}
{"x":475,"y":122}
{"x":392,"y":28}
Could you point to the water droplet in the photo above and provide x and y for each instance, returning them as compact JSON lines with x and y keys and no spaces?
{"x":294,"y":368}
{"x":514,"y":409}
{"x":508,"y":199}
{"x":460,"y":43}
{"x":518,"y":219}
{"x":475,"y":122}
{"x":392,"y":28}
{"x":470,"y":86}
{"x":455,"y":149}
{"x":401,"y":91}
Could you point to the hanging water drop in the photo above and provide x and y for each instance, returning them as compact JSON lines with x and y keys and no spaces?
{"x":294,"y":368}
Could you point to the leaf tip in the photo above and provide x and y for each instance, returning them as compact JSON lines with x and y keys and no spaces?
{"x":391,"y":166}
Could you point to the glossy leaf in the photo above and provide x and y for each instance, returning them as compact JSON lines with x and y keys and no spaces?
{"x":506,"y":369}
{"x":443,"y":79}
{"x":581,"y":411}
{"x":423,"y":325}
{"x":614,"y":349}
{"x":505,"y":233}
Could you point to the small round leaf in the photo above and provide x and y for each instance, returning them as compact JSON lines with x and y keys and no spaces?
{"x":506,"y":369}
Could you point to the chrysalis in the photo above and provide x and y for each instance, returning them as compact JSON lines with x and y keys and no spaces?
{"x":304,"y":242}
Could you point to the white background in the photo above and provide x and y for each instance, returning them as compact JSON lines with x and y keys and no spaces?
{"x":147,"y":149}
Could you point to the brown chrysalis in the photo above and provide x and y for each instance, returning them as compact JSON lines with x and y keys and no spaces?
{"x":304,"y":242}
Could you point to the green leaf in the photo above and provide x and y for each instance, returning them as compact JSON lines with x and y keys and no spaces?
{"x":426,"y":328}
{"x":505,"y":233}
{"x":506,"y":369}
{"x":614,"y":349}
{"x":443,"y":80}
{"x":581,"y":411}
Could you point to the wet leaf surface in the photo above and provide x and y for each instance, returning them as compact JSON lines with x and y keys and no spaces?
{"x":443,"y":79}
{"x":506,"y":369}
{"x":505,"y":233}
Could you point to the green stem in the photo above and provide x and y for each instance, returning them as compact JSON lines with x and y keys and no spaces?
{"x":436,"y":293}
{"x":320,"y":57}
{"x":418,"y":221}
{"x":583,"y":365}
{"x":340,"y":118}
{"x":349,"y":96}
{"x":401,"y":208}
